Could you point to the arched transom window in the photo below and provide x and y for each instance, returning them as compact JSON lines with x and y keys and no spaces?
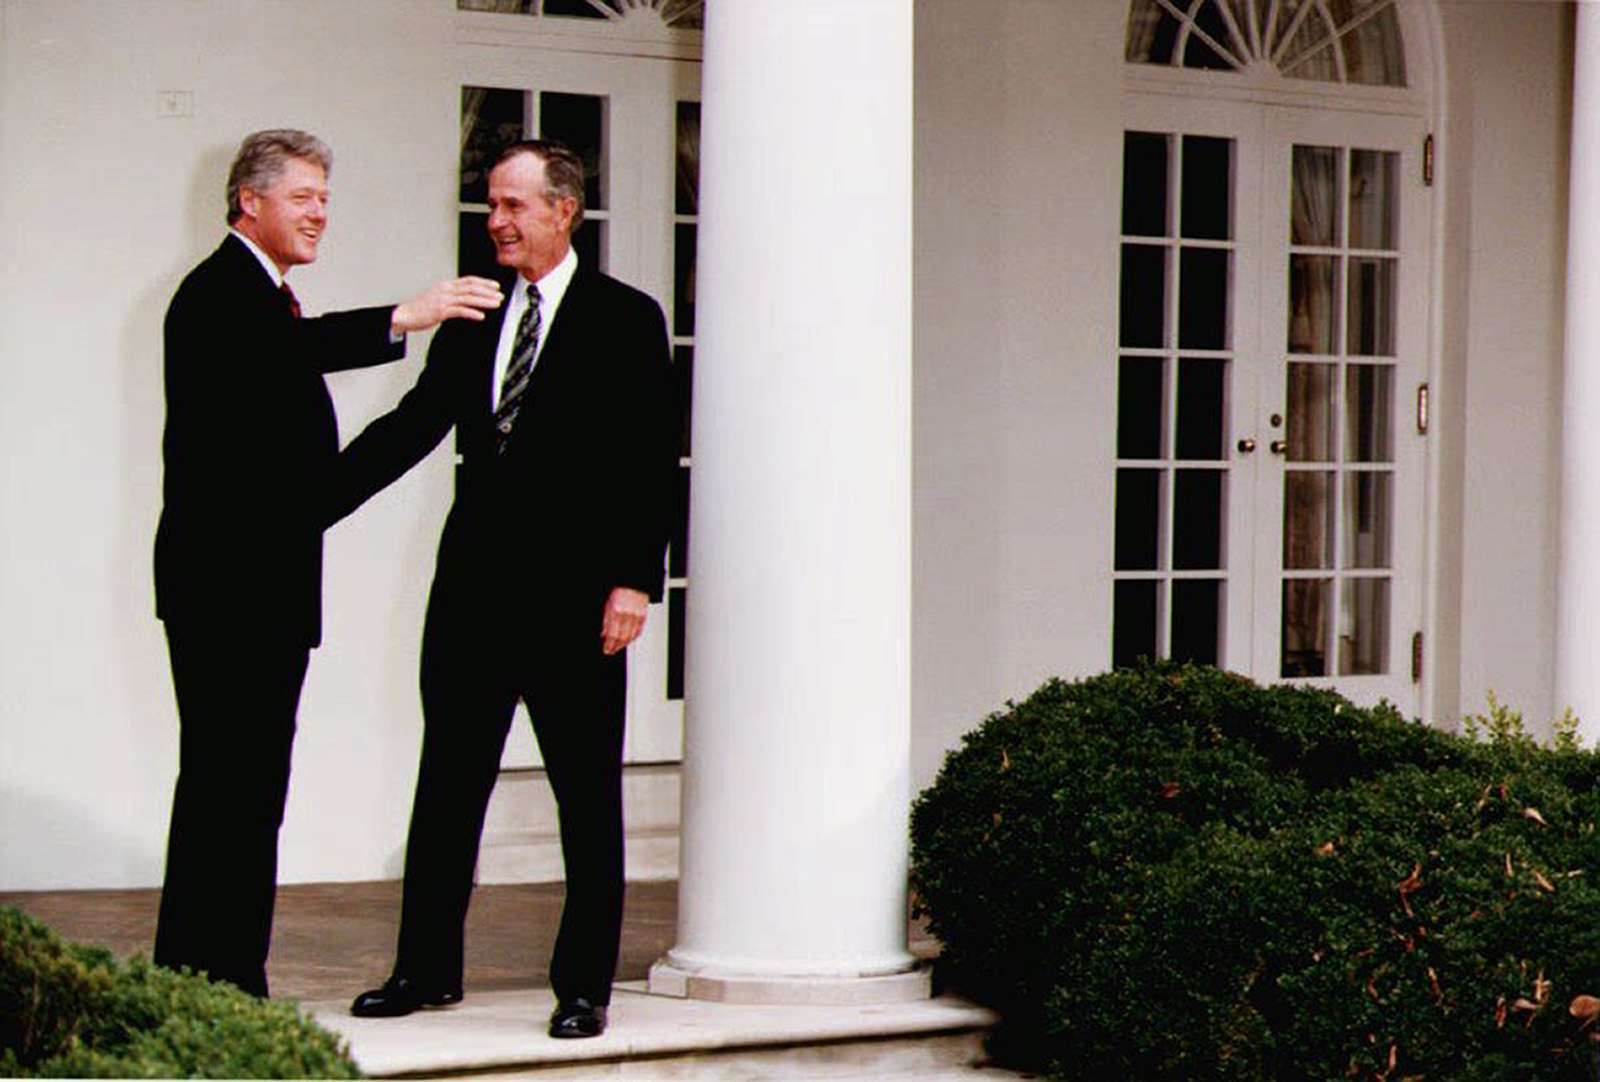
{"x":688,"y":14}
{"x":1341,"y":41}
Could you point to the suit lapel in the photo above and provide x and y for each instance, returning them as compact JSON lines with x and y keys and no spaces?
{"x":563,"y":331}
{"x":483,"y":350}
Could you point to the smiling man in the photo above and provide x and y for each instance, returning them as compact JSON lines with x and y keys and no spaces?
{"x":566,"y":426}
{"x":250,"y":444}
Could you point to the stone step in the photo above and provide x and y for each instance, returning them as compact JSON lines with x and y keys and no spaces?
{"x":502,"y":1035}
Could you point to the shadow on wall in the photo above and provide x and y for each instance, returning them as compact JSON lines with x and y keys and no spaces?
{"x":47,"y":844}
{"x":146,"y":695}
{"x":144,"y":402}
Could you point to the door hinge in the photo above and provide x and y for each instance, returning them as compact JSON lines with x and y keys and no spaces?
{"x":1416,"y":658}
{"x":1427,"y":160}
{"x":1422,"y":409}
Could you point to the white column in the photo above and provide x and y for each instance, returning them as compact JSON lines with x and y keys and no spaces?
{"x":797,"y":730}
{"x":1578,"y":629}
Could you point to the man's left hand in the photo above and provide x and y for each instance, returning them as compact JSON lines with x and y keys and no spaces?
{"x":624,"y":618}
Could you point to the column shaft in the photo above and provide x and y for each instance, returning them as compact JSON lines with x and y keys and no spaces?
{"x":797,"y":731}
{"x":1578,"y":629}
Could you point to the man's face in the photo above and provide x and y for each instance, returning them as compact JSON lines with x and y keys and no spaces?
{"x":287,"y":219}
{"x":529,"y":225}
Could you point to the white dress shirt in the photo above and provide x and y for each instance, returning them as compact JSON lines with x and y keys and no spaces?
{"x":266,"y":261}
{"x":552,"y":288}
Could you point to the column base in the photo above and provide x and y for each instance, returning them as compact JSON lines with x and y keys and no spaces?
{"x":667,"y":979}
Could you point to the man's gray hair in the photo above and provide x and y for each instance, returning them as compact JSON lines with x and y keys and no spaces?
{"x":563,"y":170}
{"x":261,"y":159}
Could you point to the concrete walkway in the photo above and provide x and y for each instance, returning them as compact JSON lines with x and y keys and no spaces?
{"x":332,"y":940}
{"x":502,"y":1034}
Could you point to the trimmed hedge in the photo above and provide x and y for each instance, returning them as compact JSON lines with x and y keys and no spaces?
{"x":71,"y":1011}
{"x":1175,"y":873}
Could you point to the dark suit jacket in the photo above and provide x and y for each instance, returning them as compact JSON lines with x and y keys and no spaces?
{"x":580,"y":500}
{"x":249,"y":448}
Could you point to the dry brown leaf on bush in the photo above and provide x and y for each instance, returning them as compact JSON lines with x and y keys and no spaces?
{"x":1585,"y":1007}
{"x":1325,"y":849}
{"x":1500,"y":1013}
{"x":1543,"y":882}
{"x":1394,"y":1057}
{"x":1433,"y":979}
{"x":1005,"y":759}
{"x":1171,"y":789}
{"x":1533,"y":813}
{"x":1510,"y":871}
{"x":1541,"y":988}
{"x":1409,"y":884}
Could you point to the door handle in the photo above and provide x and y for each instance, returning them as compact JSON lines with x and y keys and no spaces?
{"x":1246,"y":446}
{"x":1278,"y":447}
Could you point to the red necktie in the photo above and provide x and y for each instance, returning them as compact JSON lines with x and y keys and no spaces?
{"x":288,"y":295}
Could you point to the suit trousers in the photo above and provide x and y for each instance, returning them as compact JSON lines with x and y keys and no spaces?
{"x":478,"y":659}
{"x":237,"y":695}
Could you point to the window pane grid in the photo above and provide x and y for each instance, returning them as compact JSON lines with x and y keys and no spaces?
{"x":685,"y":218}
{"x":1174,"y":369}
{"x":1339,"y":492}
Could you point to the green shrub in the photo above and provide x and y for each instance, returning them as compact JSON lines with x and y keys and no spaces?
{"x":72,"y":1011}
{"x":1174,"y":873}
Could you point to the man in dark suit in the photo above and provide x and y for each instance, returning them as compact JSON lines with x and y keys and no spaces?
{"x":565,"y":423}
{"x":249,"y":445}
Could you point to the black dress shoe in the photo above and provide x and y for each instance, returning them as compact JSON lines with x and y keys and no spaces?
{"x":400,"y":996}
{"x":578,"y":1017}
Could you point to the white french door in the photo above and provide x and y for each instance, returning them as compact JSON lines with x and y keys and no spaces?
{"x":635,"y":122}
{"x":1272,"y":332}
{"x":1341,"y":487}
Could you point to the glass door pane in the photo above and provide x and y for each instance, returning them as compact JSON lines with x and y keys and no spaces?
{"x":1175,"y":379}
{"x":1346,"y":341}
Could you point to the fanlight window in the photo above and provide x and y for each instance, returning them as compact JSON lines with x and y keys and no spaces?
{"x":687,"y":14}
{"x":1340,"y":41}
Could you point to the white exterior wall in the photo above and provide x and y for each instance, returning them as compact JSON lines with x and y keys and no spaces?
{"x":1506,"y":169}
{"x":1018,"y":195}
{"x":104,"y":205}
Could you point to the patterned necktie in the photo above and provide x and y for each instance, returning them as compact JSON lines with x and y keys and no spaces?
{"x":518,"y":371}
{"x":288,"y":295}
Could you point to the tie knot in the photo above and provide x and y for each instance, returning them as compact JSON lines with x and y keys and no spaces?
{"x":534,"y":297}
{"x":288,"y":295}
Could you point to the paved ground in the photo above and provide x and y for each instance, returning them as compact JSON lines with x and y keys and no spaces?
{"x":331,"y":940}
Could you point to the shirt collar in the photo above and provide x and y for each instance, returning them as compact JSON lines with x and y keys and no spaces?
{"x":265,"y":260}
{"x":554,"y":284}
